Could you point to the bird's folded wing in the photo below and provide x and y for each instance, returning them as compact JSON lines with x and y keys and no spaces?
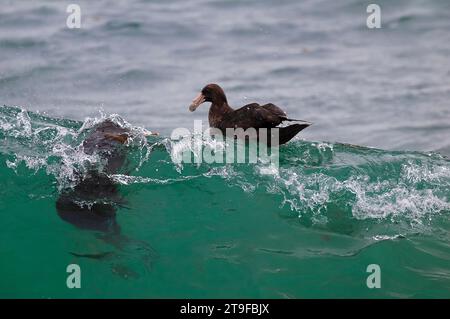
{"x":254,"y":115}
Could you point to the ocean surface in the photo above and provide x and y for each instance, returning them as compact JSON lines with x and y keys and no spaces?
{"x":368,"y":183}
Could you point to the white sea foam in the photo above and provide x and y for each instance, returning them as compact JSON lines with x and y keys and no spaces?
{"x":57,"y":149}
{"x":415,"y":191}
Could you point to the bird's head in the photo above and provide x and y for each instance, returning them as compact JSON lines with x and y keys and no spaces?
{"x":210,"y":93}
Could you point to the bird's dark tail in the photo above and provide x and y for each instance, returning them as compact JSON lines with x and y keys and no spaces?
{"x":288,"y":132}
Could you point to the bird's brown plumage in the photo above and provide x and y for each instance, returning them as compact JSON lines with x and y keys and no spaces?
{"x":253,"y":115}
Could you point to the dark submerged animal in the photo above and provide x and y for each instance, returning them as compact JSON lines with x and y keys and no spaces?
{"x":253,"y":115}
{"x":91,"y":204}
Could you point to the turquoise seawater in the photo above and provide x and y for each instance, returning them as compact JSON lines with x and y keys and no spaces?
{"x":308,"y":228}
{"x":368,"y":183}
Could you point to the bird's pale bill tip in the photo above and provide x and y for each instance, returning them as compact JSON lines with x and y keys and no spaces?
{"x":150,"y":133}
{"x":199,"y":99}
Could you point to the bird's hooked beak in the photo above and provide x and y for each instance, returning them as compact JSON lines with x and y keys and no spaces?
{"x":196,"y":102}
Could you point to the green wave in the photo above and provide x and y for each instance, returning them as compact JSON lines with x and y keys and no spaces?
{"x":326,"y":202}
{"x":339,"y":187}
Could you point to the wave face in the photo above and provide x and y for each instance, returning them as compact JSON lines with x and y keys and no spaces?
{"x":326,"y":201}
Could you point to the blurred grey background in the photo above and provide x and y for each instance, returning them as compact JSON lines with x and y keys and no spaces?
{"x":146,"y":60}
